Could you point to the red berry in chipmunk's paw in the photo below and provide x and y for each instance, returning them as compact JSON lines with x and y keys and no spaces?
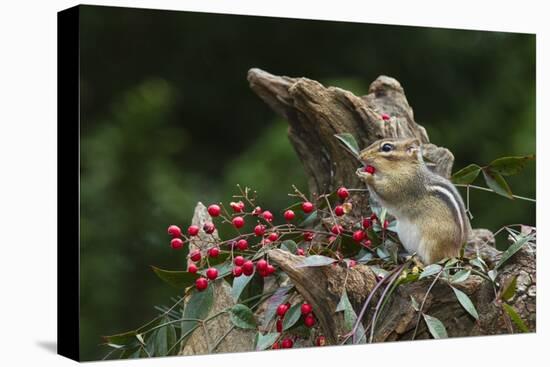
{"x":307,"y":207}
{"x":238,"y":207}
{"x":273,"y":236}
{"x":213,"y":252}
{"x":201,"y":284}
{"x":267,"y":215}
{"x":237,"y":271}
{"x":306,"y":308}
{"x":238,"y":222}
{"x":279,"y":326}
{"x":195,"y":256}
{"x":248,"y":268}
{"x":320,"y":341}
{"x":385,"y":116}
{"x":289,"y":215}
{"x":176,"y":243}
{"x":238,"y":260}
{"x":259,"y":230}
{"x":308,"y":236}
{"x":214,"y":210}
{"x":343,"y":193}
{"x":261,"y":264}
{"x":209,"y":227}
{"x":339,"y":210}
{"x":367,"y":223}
{"x":242,"y":244}
{"x":309,"y":320}
{"x":193,"y":230}
{"x":300,"y":251}
{"x":212,"y":273}
{"x":192,"y":268}
{"x":174,"y":231}
{"x":370,"y":169}
{"x":287,"y":343}
{"x":337,"y":229}
{"x":358,"y":236}
{"x":282,"y":309}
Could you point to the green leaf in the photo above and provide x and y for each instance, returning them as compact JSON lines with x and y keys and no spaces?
{"x":349,"y":141}
{"x":160,"y":342}
{"x":239,"y":283}
{"x":460,"y":276}
{"x":350,"y":317}
{"x":508,"y":166}
{"x":316,"y":260}
{"x":466,"y":175}
{"x":242,"y":317}
{"x":218,"y":259}
{"x":122,"y":339}
{"x":197,"y":307}
{"x":515,"y":317}
{"x":309,"y":220}
{"x":177,"y":279}
{"x":512,"y":249}
{"x":497,"y":183}
{"x":466,"y":302}
{"x":436,"y":327}
{"x":292,"y":316}
{"x":254,"y":287}
{"x":509,"y":289}
{"x":492,"y":274}
{"x":364,"y":256}
{"x":273,"y":302}
{"x":265,"y":341}
{"x":430,"y":270}
{"x":414,"y":304}
{"x":289,"y":246}
{"x":478,"y":262}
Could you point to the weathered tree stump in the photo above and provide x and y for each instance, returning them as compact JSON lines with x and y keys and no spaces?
{"x":315,"y":114}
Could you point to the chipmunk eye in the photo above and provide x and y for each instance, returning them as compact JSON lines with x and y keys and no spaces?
{"x":387,"y":147}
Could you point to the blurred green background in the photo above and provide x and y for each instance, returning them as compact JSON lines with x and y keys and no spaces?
{"x":168,"y":119}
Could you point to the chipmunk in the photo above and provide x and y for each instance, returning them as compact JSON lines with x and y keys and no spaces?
{"x":431,"y":216}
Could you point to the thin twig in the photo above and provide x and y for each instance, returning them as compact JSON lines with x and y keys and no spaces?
{"x":424,"y":301}
{"x":489,"y":190}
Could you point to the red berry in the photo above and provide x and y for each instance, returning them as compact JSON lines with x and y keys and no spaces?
{"x":273,"y":236}
{"x":174,"y":231}
{"x":320,"y":341}
{"x":385,"y":116}
{"x":193,"y":230}
{"x":308,"y":236}
{"x":343,"y":193}
{"x":195,"y":255}
{"x":248,"y":267}
{"x":386,"y":224}
{"x":279,"y":325}
{"x":263,"y":273}
{"x":337,"y":229}
{"x":309,"y":320}
{"x":242,"y":244}
{"x":306,"y":308}
{"x":238,"y":207}
{"x":237,"y":271}
{"x":270,"y":269}
{"x":201,"y":284}
{"x":300,"y":251}
{"x":238,"y":222}
{"x":276,"y":345}
{"x":369,"y":169}
{"x":367,"y":243}
{"x":282,"y":309}
{"x":192,"y":268}
{"x":287,"y":343}
{"x":257,"y":211}
{"x":367,"y":223}
{"x":213,"y":252}
{"x":214,"y":210}
{"x":259,"y":230}
{"x":267,"y":215}
{"x":358,"y":236}
{"x":373,"y":217}
{"x":307,"y":207}
{"x":176,"y":243}
{"x":209,"y":227}
{"x":289,"y":215}
{"x":239,"y":260}
{"x":212,"y":273}
{"x":266,"y":241}
{"x":339,"y":210}
{"x":261,"y":264}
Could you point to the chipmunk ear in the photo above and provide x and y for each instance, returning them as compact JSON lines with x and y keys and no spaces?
{"x":413,"y":147}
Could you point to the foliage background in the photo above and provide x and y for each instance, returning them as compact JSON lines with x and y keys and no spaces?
{"x":167,"y":119}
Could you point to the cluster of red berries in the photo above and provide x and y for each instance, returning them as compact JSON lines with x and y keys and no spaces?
{"x":246,"y":267}
{"x":309,"y":321}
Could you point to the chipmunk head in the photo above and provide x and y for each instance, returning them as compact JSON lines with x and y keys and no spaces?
{"x":387,"y":157}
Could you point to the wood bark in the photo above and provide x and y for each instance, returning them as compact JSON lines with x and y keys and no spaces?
{"x":316,"y":113}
